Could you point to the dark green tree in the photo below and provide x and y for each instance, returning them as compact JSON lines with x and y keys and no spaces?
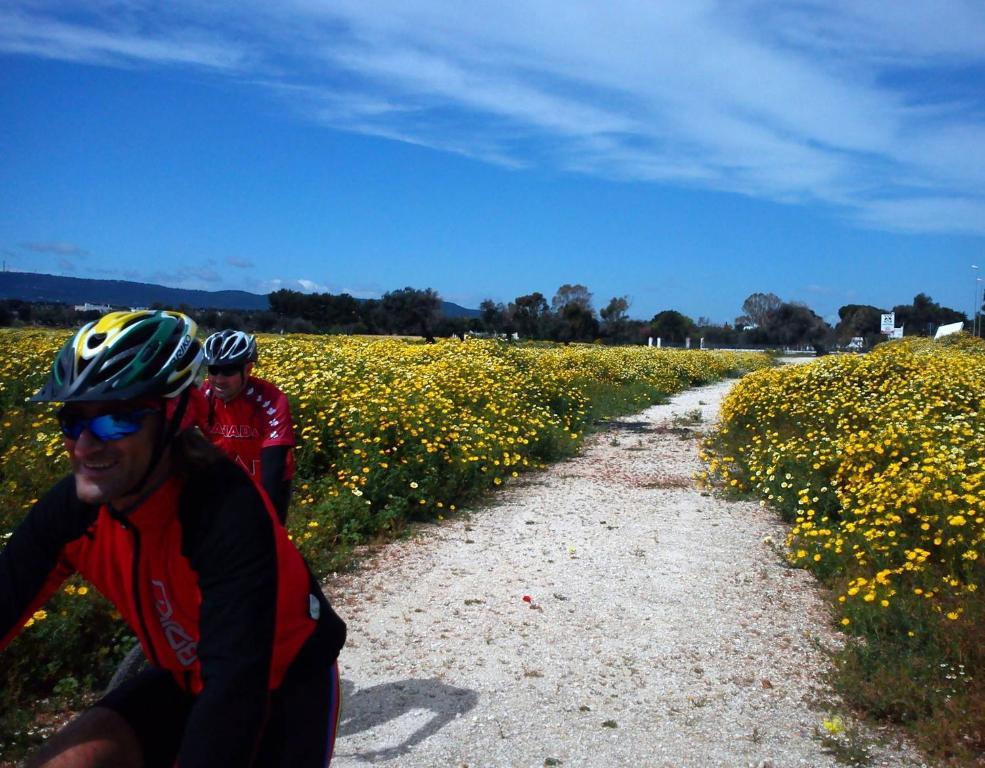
{"x":572,"y":294}
{"x":494,"y":316}
{"x":412,"y":311}
{"x":575,"y":317}
{"x":924,"y":316}
{"x":757,"y":308}
{"x":615,"y":319}
{"x":672,"y":326}
{"x":529,"y":314}
{"x":796,"y":325}
{"x":859,"y":320}
{"x":718,"y":335}
{"x":575,"y":322}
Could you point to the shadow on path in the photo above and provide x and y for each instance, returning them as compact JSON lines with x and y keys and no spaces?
{"x":634,"y":427}
{"x":368,"y":708}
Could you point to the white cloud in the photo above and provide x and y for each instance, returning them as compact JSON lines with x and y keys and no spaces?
{"x":302,"y":285}
{"x":310,"y":286}
{"x":833,"y":101}
{"x":905,"y":31}
{"x":36,"y":34}
{"x":928,"y":214}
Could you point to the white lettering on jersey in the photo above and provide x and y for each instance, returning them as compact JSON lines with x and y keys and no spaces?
{"x":235,"y":430}
{"x":184,"y":646}
{"x":252,"y":469}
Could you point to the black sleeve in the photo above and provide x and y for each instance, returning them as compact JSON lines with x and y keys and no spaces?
{"x":273,"y":459}
{"x":229,"y":541}
{"x":30,"y":559}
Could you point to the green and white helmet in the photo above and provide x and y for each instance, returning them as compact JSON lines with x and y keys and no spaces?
{"x":126,"y":356}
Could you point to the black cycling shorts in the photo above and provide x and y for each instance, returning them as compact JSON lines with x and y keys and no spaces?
{"x":300,"y":730}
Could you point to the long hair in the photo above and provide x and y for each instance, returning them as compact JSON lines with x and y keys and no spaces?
{"x":192,"y":452}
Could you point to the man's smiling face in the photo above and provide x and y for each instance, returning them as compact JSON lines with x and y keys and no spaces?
{"x":106,"y":471}
{"x":228,"y":380}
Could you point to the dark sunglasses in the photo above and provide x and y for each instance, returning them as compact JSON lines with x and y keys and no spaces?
{"x":107,"y":426}
{"x":224,"y":370}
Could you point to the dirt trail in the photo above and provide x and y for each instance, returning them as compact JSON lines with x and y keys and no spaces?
{"x":663,"y":629}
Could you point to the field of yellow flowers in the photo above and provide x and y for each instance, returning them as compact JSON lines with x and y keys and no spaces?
{"x":878,"y":463}
{"x":389,"y":431}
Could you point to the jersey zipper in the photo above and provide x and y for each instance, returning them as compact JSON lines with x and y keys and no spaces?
{"x":135,"y":589}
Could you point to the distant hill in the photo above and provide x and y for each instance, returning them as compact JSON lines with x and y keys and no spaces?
{"x":34,"y":287}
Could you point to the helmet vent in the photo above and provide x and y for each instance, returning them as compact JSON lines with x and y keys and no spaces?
{"x":148,"y":352}
{"x":112,"y":367}
{"x":134,"y":359}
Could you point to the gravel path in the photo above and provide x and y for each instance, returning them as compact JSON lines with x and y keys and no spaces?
{"x":662,"y":628}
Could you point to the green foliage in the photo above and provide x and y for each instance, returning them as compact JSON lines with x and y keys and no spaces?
{"x":859,"y":320}
{"x":877,"y":461}
{"x":670,"y":325}
{"x":924,"y":316}
{"x":389,"y":431}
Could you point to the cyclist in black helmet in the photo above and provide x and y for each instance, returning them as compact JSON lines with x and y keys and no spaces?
{"x":249,"y":418}
{"x":242,"y":642}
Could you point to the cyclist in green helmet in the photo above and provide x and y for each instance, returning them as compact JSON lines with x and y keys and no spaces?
{"x":242,"y":643}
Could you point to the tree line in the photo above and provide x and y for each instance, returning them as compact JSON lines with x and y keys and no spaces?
{"x":570,"y":315}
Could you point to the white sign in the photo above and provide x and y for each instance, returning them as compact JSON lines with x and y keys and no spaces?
{"x":947,"y":330}
{"x":888,"y":323}
{"x":896,"y":333}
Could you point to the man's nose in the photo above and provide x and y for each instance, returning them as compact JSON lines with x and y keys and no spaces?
{"x":87,"y":443}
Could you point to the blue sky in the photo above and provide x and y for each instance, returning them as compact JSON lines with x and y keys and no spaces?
{"x":682,"y":154}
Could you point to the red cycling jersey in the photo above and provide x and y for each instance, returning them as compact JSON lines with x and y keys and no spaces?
{"x":258,"y":417}
{"x":209,"y":582}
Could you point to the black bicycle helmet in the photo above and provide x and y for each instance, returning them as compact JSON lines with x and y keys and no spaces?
{"x":230,"y":347}
{"x":126,"y":356}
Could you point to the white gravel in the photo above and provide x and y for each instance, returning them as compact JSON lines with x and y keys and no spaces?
{"x":664,"y":629}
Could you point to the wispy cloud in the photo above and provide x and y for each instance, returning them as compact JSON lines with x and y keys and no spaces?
{"x":872,"y":109}
{"x":301,"y":284}
{"x":927,"y":214}
{"x":304,"y":285}
{"x":55,"y":247}
{"x":233,"y":261}
{"x":122,"y":38}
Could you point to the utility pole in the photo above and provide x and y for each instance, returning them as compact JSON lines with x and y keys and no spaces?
{"x":974,"y":325}
{"x":974,"y":305}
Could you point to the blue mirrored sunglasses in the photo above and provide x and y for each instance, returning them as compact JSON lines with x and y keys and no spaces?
{"x":107,"y":426}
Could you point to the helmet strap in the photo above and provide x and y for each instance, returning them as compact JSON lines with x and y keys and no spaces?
{"x":164,"y":438}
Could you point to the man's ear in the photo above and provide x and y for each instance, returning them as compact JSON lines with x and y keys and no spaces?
{"x":247,"y":370}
